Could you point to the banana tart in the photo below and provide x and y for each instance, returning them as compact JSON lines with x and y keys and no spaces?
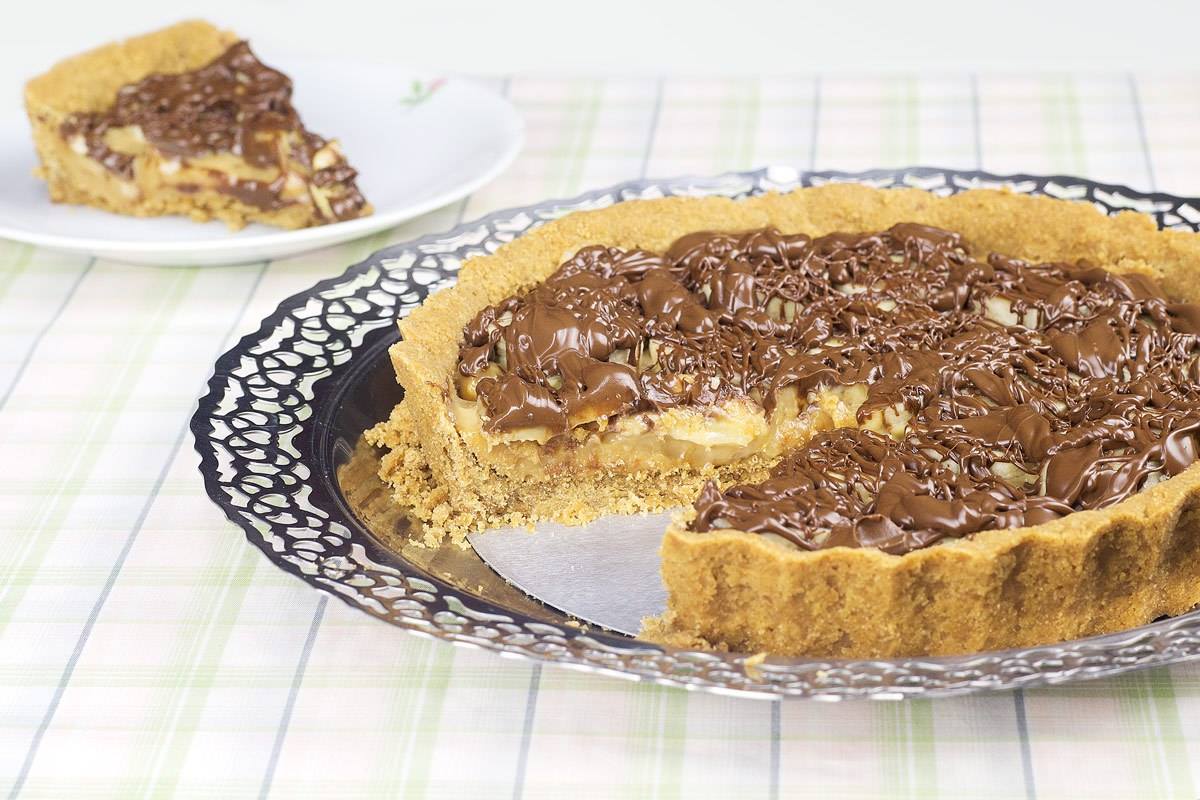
{"x":902,"y":424}
{"x":188,"y":121}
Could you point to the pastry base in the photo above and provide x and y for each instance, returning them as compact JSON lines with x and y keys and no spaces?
{"x":1091,"y":572}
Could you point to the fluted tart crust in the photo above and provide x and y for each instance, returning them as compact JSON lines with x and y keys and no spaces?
{"x":1082,"y":573}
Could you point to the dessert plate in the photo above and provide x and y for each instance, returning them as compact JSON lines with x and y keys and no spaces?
{"x":279,"y":430}
{"x":418,"y":143}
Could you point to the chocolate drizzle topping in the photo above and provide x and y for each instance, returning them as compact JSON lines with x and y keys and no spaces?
{"x":1014,"y":393}
{"x":234,"y":104}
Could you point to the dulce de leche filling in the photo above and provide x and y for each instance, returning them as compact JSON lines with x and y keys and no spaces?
{"x":234,"y":105}
{"x":998,"y":393}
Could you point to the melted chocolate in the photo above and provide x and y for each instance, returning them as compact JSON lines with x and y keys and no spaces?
{"x":1020,"y":392}
{"x":235,"y":104}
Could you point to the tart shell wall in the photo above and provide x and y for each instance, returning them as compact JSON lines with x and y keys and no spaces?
{"x":1089,"y":573}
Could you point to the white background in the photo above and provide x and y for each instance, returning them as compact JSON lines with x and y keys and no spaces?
{"x":643,"y":36}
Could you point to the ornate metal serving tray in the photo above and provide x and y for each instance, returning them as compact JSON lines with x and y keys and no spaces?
{"x":278,"y":436}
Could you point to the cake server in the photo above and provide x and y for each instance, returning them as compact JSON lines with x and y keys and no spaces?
{"x":605,"y":572}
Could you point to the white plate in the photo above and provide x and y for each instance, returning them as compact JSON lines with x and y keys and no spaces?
{"x":415,"y":151}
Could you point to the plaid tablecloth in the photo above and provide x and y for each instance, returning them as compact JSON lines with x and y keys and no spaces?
{"x":147,"y":650}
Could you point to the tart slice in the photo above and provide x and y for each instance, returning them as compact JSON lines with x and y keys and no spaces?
{"x":907,"y":424}
{"x":188,"y":121}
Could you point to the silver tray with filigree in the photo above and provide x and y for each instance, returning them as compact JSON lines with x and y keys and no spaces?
{"x":278,"y":433}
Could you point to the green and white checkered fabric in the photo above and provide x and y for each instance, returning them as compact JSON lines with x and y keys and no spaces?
{"x":147,"y":650}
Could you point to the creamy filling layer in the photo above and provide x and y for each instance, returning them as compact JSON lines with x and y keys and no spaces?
{"x":698,"y":438}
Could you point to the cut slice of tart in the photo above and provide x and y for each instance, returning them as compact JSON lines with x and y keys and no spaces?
{"x":908,"y":424}
{"x":187,"y":121}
